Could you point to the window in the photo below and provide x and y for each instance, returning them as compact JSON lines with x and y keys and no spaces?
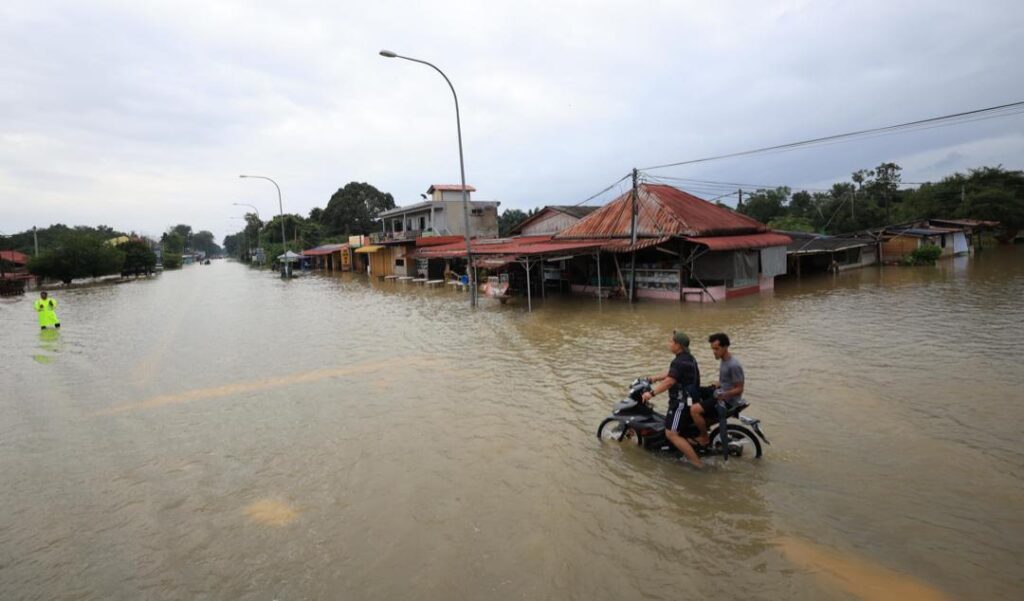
{"x":478,"y":211}
{"x":399,"y":262}
{"x":423,"y":223}
{"x":397,"y":225}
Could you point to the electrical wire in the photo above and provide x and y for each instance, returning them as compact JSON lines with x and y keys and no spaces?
{"x":1003,"y":110}
{"x":593,"y":196}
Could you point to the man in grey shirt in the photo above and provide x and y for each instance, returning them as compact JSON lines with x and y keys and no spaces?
{"x":729,"y":387}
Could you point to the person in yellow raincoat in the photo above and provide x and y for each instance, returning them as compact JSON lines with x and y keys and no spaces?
{"x":46,"y":308}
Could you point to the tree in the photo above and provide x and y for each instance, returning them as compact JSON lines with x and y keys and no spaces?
{"x":510,"y":218}
{"x":354,"y":209}
{"x":204,"y":241}
{"x":139,"y":258}
{"x":765,"y":205}
{"x":75,"y":255}
{"x":173,"y":242}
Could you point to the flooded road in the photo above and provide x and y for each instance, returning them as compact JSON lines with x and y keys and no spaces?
{"x":216,"y":433}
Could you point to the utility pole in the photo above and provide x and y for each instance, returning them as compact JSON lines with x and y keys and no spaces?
{"x":739,"y":205}
{"x":35,"y":239}
{"x":633,"y":236}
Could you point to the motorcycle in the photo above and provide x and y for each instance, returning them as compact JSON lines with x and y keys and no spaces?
{"x":635,"y":421}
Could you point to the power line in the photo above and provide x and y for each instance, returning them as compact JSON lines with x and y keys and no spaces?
{"x":593,"y":196}
{"x":1002,"y":110}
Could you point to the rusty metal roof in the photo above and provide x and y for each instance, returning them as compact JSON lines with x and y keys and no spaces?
{"x":520,"y":247}
{"x":13,"y":256}
{"x":761,"y":240}
{"x":662,"y":211}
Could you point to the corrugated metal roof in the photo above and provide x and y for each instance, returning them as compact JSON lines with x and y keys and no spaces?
{"x":623,"y":246}
{"x":524,"y":247}
{"x":760,"y":240}
{"x":805,"y":243}
{"x":13,"y":256}
{"x":439,"y":240}
{"x":662,"y":211}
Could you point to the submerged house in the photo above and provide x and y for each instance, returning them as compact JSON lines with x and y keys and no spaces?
{"x":686,"y":249}
{"x":817,"y":253}
{"x":898,"y":243}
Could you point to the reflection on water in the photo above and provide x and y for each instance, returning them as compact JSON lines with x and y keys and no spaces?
{"x":243,"y":437}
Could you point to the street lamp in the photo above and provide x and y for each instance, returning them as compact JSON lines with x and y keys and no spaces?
{"x":471,"y":272}
{"x":258,"y":231}
{"x":280,"y":206}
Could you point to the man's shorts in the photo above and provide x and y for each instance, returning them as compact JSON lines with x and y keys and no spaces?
{"x":678,"y":418}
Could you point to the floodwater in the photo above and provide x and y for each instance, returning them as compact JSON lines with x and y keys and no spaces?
{"x":217,"y":433}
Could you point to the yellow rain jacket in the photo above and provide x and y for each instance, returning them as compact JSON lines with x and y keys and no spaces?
{"x":47,"y":312}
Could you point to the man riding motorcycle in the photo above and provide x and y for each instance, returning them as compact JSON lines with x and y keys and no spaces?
{"x":682,"y":378}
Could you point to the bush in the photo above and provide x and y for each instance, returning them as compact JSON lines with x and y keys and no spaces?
{"x":925,"y":254}
{"x":172,"y":261}
{"x":77,"y":255}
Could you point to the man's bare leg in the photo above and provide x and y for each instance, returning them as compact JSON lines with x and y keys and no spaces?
{"x":697,"y":413}
{"x":684,"y":447}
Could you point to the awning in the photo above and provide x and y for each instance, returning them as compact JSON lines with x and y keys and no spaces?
{"x":762,"y":240}
{"x":624,"y":246}
{"x":325,"y":250}
{"x":371,"y":248}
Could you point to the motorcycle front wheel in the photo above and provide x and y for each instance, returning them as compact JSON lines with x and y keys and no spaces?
{"x":743,"y":444}
{"x":615,"y":430}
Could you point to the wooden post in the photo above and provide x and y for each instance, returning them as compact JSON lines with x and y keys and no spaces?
{"x":632,"y":236}
{"x":529,"y":296}
{"x":622,"y":283}
{"x":598,"y":276}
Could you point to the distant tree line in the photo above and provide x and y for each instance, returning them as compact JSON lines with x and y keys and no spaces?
{"x":70,"y":253}
{"x":351,"y":211}
{"x":876,"y":197}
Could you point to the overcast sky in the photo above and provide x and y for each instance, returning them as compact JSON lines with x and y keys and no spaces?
{"x":140,"y":115}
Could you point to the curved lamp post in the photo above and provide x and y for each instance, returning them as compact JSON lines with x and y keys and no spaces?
{"x":280,"y":206}
{"x":471,"y":272}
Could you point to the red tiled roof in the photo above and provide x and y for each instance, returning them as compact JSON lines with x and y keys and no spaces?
{"x":662,"y":211}
{"x":449,"y":188}
{"x":13,"y":256}
{"x":762,"y":240}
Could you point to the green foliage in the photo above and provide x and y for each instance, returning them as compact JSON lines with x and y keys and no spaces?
{"x":173,"y":242}
{"x":354,"y":209}
{"x":77,"y":254}
{"x":139,"y":258}
{"x":51,"y":236}
{"x":926,"y":254}
{"x":172,"y":260}
{"x":204,"y":241}
{"x":765,"y":205}
{"x":510,"y":218}
{"x":791,"y":223}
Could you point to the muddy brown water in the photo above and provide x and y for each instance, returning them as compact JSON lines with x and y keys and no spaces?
{"x":216,"y":433}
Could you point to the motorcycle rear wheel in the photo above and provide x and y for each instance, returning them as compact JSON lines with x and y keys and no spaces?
{"x":743,"y":444}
